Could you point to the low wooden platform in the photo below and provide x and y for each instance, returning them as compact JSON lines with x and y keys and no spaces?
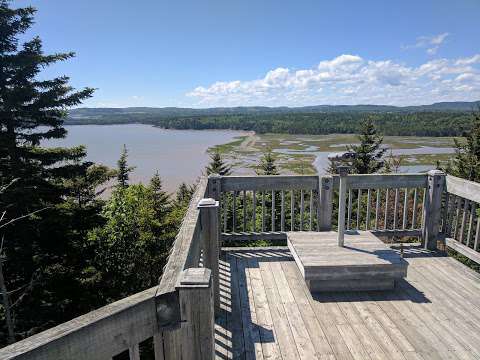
{"x":364,"y":263}
{"x":267,"y":312}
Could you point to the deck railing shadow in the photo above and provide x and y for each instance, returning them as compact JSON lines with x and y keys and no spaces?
{"x":234,"y":297}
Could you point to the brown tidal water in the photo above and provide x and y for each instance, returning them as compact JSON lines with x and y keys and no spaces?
{"x":178,"y":155}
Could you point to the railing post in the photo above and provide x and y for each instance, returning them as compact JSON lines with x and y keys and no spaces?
{"x":210,"y":235}
{"x":214,"y":191}
{"x":197,"y":311}
{"x":342,"y":197}
{"x":432,"y":208}
{"x":324,"y":216}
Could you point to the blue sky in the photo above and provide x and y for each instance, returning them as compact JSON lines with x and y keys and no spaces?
{"x":261,"y":52}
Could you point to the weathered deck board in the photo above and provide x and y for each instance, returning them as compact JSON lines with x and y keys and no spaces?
{"x":268,"y":312}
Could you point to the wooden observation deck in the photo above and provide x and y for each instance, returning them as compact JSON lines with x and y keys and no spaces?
{"x":221,"y":298}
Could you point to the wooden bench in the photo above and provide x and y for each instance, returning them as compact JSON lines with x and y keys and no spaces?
{"x":364,"y":263}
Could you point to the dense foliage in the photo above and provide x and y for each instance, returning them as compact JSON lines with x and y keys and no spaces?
{"x":466,"y":162}
{"x":418,"y":123}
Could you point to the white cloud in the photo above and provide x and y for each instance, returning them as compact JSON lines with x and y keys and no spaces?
{"x":350,"y":79}
{"x":431,"y":43}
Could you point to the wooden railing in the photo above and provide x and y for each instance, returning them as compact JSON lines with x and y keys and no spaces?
{"x":179,"y":313}
{"x":388,"y":205}
{"x":266,"y":207}
{"x":460,"y":220}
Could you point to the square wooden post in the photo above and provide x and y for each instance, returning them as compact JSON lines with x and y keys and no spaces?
{"x":198,"y":319}
{"x":211,"y":252}
{"x":432,"y":208}
{"x":326,"y":202}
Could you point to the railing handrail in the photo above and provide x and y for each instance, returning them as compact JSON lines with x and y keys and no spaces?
{"x":464,"y":188}
{"x":269,"y":182}
{"x":185,"y":250}
{"x":384,"y":181}
{"x":108,"y":326}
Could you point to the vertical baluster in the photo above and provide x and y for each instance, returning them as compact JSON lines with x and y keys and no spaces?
{"x":292,"y":211}
{"x":464,"y":220}
{"x":282,"y":212}
{"x":423,"y":206}
{"x":263,"y":211}
{"x":311,"y":210}
{"x":457,"y":216}
{"x":244,"y":211}
{"x":377,"y":208}
{"x":470,"y":223}
{"x":405,"y":209}
{"x":273,"y":210}
{"x":414,"y":214}
{"x":134,"y":352}
{"x":359,"y":203}
{"x":349,"y":210}
{"x":234,"y":212}
{"x":452,"y":199}
{"x":302,"y":204}
{"x":385,"y":225}
{"x":367,"y":220}
{"x":395,"y":209}
{"x":225,"y":211}
{"x":254,"y":215}
{"x":477,"y":234}
{"x":445,"y":213}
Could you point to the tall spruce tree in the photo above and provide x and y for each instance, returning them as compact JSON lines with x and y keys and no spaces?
{"x":466,"y":162}
{"x":161,"y":200}
{"x":32,"y":110}
{"x":123,"y":170}
{"x":369,"y":153}
{"x":217,"y":165}
{"x":267,"y":164}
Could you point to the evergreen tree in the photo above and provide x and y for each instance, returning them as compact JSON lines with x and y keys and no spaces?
{"x":123,"y":170}
{"x":369,"y":153}
{"x":217,"y":165}
{"x":130,"y":249}
{"x":33,"y":110}
{"x":160,"y":199}
{"x":267,"y":164}
{"x":184,"y":194}
{"x":466,"y":162}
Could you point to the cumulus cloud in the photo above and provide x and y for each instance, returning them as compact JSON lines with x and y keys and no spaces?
{"x":430,"y":43}
{"x":351,"y":79}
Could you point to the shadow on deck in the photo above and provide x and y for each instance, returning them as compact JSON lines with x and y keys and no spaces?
{"x":268,"y":312}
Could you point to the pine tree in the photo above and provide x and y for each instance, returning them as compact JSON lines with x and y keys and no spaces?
{"x":466,"y":162}
{"x":217,"y":165}
{"x":161,"y":200}
{"x":267,"y":164}
{"x":184,"y":194}
{"x":123,"y":170}
{"x":369,"y":153}
{"x":32,"y":110}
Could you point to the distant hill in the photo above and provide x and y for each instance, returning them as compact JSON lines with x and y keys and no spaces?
{"x":98,"y":113}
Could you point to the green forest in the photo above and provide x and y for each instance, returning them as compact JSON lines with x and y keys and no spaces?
{"x":421,"y":123}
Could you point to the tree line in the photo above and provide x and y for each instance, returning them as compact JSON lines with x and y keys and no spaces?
{"x":434,"y":123}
